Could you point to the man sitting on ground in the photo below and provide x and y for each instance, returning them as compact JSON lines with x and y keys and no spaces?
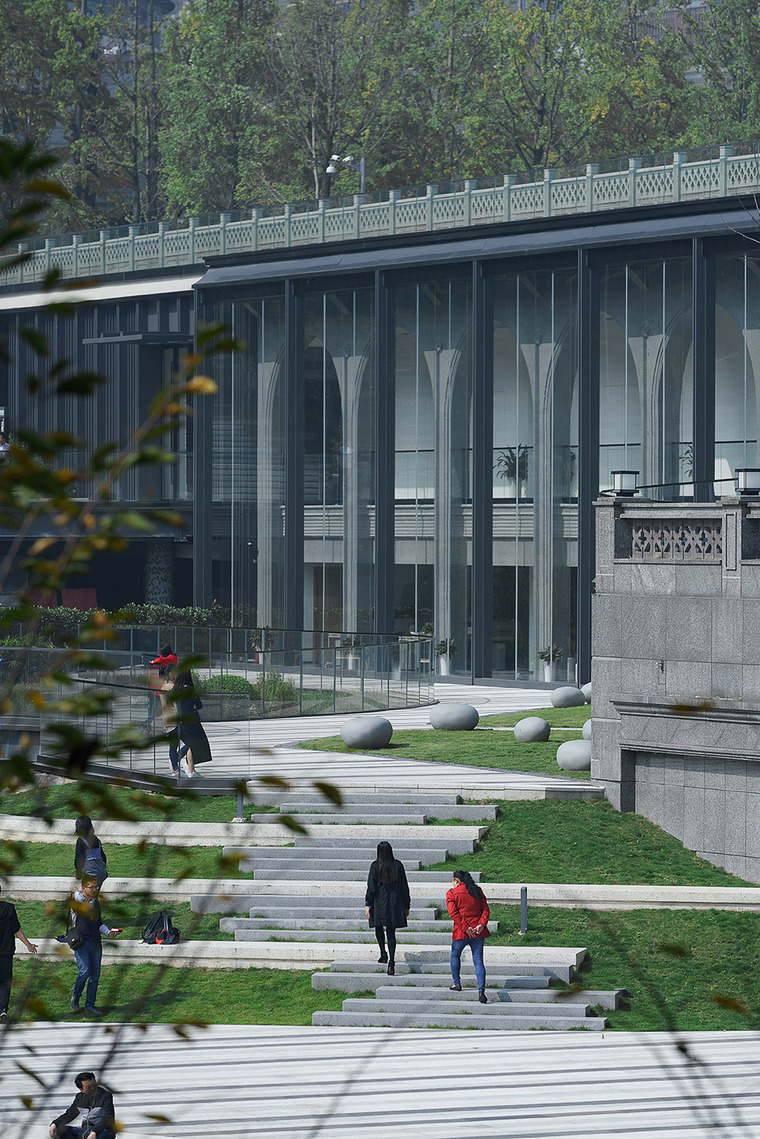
{"x":94,"y":1104}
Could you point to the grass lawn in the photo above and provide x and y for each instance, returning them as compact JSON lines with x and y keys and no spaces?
{"x":130,"y":914}
{"x":680,"y":967}
{"x":156,"y":995}
{"x":552,"y":840}
{"x":481,"y":748}
{"x":141,"y":861}
{"x":557,"y":717}
{"x":683,"y":970}
{"x":103,"y":802}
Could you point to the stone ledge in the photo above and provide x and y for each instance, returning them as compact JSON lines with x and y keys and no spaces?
{"x":291,"y":955}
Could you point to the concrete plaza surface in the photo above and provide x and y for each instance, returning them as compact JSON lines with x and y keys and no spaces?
{"x":304,"y":1083}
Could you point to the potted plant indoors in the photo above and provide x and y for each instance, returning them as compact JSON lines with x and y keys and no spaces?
{"x":550,"y":656}
{"x":445,"y":652}
{"x":512,"y":466}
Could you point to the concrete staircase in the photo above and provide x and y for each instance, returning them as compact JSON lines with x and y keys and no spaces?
{"x":312,"y":894}
{"x":418,"y":996}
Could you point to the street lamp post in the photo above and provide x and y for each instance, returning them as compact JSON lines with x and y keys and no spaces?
{"x":349,"y":160}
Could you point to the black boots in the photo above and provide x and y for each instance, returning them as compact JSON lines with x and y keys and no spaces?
{"x":391,"y":968}
{"x":382,"y":958}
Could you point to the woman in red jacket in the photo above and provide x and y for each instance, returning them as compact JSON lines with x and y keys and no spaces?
{"x":467,"y":905}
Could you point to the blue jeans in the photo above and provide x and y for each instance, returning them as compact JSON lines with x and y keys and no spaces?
{"x":476,"y":945}
{"x":88,"y":957}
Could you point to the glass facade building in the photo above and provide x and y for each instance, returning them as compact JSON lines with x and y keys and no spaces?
{"x":413,"y":435}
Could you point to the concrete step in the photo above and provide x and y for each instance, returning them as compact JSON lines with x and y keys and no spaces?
{"x":371,"y":982}
{"x":357,"y":914}
{"x":403,"y":937}
{"x":231,"y":925}
{"x":325,"y":865}
{"x":435,"y":1007}
{"x":452,"y":844}
{"x":501,"y":991}
{"x":426,"y":854}
{"x":457,"y":1020}
{"x":480,"y":813}
{"x":425,"y":965}
{"x":427,"y":877}
{"x":350,"y":818}
{"x":284,"y":800}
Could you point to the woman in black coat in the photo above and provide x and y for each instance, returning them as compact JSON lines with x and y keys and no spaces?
{"x":387,"y":901}
{"x":195,"y":747}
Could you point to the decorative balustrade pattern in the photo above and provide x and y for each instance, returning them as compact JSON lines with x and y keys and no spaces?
{"x":158,"y":245}
{"x":661,"y":541}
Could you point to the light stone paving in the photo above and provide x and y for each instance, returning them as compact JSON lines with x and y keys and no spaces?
{"x":342,"y":1083}
{"x":261,"y":748}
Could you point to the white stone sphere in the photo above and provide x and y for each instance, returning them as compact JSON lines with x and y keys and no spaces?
{"x":367,"y":731}
{"x":586,"y":690}
{"x":574,"y":755}
{"x":532,"y":730}
{"x":587,"y":730}
{"x":568,"y":697}
{"x":454,"y":717}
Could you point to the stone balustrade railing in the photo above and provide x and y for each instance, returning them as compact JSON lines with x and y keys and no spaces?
{"x":688,"y":176}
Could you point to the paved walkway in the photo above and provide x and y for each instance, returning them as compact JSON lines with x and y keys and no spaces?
{"x":261,"y":748}
{"x":330,"y":1083}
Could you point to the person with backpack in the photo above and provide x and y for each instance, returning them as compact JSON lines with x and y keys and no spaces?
{"x":468,"y":907}
{"x":387,"y":901}
{"x":89,"y":856}
{"x":88,"y":922}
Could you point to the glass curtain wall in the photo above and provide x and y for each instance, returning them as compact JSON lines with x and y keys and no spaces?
{"x":737,"y":359}
{"x":535,"y":474}
{"x":433,"y":466}
{"x":646,"y":380}
{"x":339,"y":460}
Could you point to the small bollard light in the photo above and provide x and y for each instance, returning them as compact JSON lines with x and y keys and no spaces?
{"x":748,"y":481}
{"x":624,"y":483}
{"x":523,"y":910}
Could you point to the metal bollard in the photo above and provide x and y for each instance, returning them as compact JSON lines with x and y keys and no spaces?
{"x":523,"y":910}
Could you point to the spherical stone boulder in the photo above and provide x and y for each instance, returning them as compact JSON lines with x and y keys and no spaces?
{"x":367,"y":731}
{"x":587,"y":730}
{"x":586,"y":690}
{"x":454,"y":717}
{"x":574,"y":755}
{"x":568,"y":697}
{"x":532,"y":730}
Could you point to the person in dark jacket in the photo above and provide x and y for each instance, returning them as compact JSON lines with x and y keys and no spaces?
{"x":195,"y":746}
{"x":94,"y":1104}
{"x":90,"y":925}
{"x":387,"y":901}
{"x":89,"y":856}
{"x":468,"y":907}
{"x":10,"y":930}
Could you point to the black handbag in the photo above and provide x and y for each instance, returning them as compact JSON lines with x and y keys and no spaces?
{"x":72,"y":937}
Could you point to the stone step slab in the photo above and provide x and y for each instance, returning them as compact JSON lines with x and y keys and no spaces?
{"x":398,"y":1004}
{"x":349,"y":818}
{"x":503,"y":992}
{"x":232,"y":925}
{"x":427,"y":877}
{"x":421,"y":964}
{"x":323,"y":865}
{"x":359,"y":936}
{"x":367,"y":853}
{"x":371,"y":982}
{"x":431,"y":810}
{"x":283,"y":800}
{"x":426,"y":914}
{"x":455,"y":1020}
{"x":453,"y":845}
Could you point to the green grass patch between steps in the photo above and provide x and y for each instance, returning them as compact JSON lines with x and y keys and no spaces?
{"x":556,"y":717}
{"x":554,"y":840}
{"x":39,"y":919}
{"x":163,"y":995}
{"x":685,"y":970}
{"x":481,"y":748}
{"x":144,"y":860}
